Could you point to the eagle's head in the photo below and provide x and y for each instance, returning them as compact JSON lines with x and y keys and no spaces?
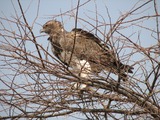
{"x":52,"y":27}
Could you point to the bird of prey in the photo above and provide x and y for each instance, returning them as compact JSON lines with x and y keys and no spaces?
{"x":83,"y":50}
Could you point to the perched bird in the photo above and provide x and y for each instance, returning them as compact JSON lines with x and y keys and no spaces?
{"x":83,"y":50}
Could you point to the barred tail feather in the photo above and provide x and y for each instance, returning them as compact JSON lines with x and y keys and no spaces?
{"x":126,"y":68}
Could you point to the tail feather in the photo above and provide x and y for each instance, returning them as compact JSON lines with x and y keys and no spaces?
{"x":124,"y":76}
{"x":126,"y":68}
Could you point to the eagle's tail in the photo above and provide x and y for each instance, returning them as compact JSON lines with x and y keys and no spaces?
{"x":123,"y":76}
{"x":124,"y":69}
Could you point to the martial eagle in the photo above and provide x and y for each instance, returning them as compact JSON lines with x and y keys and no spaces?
{"x":82,"y":50}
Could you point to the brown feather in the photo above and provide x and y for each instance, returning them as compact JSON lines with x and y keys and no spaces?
{"x":86,"y":47}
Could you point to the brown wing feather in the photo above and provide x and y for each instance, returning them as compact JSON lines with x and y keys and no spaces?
{"x":99,"y":55}
{"x":86,"y":47}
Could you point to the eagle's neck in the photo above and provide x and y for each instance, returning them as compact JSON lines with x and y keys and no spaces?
{"x":57,"y":35}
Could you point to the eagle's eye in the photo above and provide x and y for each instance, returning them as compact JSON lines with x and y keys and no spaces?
{"x":46,"y":25}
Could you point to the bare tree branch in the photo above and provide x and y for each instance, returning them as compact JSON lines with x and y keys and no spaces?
{"x":35,"y":84}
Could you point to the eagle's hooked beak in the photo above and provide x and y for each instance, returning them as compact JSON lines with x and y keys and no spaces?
{"x":42,"y":31}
